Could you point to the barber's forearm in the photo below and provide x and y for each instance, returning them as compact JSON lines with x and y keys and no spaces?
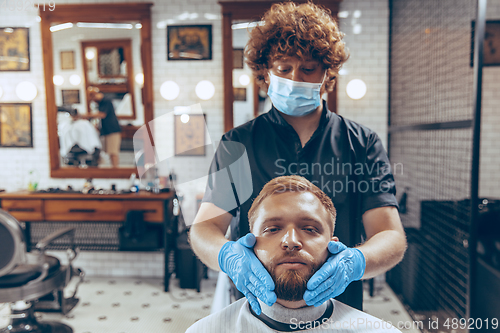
{"x":382,"y":251}
{"x":206,"y":240}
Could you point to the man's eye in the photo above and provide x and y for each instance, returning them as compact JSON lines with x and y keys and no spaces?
{"x":272,"y":229}
{"x":309,"y":70}
{"x":312,"y":230}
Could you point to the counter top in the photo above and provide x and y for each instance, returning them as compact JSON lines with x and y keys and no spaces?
{"x":141,"y":195}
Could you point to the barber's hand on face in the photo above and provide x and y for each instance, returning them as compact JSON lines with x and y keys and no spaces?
{"x":341,"y":268}
{"x":239,"y":262}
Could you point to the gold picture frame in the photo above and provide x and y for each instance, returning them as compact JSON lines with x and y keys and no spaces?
{"x":70,"y":96}
{"x":16,"y":128}
{"x":240,"y":94}
{"x":189,"y":136}
{"x":238,"y":58}
{"x":14,"y":53}
{"x":189,"y":42}
{"x":491,"y":45}
{"x":67,"y":60}
{"x":491,"y":52}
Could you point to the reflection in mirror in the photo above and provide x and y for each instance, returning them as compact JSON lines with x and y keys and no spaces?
{"x":106,"y":56}
{"x":105,"y":67}
{"x":249,"y":99}
{"x":112,"y":63}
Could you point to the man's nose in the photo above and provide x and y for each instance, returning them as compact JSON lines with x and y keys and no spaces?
{"x":296,"y":75}
{"x":291,"y":240}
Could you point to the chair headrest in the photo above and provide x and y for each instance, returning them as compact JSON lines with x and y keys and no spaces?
{"x":12,"y":245}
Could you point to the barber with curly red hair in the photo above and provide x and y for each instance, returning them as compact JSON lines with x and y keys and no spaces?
{"x":295,"y":56}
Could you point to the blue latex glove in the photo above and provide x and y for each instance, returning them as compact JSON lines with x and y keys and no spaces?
{"x":341,"y":268}
{"x":239,"y":262}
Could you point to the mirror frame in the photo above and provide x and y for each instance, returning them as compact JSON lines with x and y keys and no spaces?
{"x":103,"y":44}
{"x":95,"y":13}
{"x":249,"y":10}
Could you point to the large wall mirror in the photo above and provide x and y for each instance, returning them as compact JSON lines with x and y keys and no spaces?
{"x":105,"y":47}
{"x":243,"y":99}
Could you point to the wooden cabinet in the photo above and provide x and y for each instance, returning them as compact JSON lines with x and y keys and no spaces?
{"x":24,"y":210}
{"x":84,"y":210}
{"x":74,"y":207}
{"x":28,"y":207}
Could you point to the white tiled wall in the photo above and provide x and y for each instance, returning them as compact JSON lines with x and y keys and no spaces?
{"x":369,"y":53}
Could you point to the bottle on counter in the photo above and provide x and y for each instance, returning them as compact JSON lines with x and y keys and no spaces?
{"x":33,"y":180}
{"x":88,"y":186}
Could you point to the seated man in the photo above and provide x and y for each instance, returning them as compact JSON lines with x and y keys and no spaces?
{"x":79,"y":137}
{"x":293,"y":223}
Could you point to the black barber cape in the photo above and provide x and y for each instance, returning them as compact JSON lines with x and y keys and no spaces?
{"x":344,"y":159}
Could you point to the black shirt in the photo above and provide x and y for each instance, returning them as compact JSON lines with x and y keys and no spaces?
{"x":344,"y":159}
{"x":109,"y":124}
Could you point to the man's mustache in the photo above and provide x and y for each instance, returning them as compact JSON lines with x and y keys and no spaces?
{"x":294,"y":257}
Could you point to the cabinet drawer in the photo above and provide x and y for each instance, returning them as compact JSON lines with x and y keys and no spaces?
{"x":84,"y":210}
{"x":153,"y":209}
{"x":24,"y":210}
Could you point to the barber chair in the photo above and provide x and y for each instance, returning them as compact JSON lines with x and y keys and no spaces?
{"x":26,"y":277}
{"x":80,"y":157}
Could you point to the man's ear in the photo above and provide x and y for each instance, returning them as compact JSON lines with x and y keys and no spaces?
{"x":335,"y":239}
{"x":266,"y":78}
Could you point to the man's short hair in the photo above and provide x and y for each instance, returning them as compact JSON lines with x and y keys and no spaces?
{"x":306,"y":31}
{"x":292,"y":183}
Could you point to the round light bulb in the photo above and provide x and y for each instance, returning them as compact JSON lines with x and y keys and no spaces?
{"x":184,"y":118}
{"x":205,"y":90}
{"x":58,"y":80}
{"x":139,"y":78}
{"x":357,"y":29}
{"x":356,"y":89}
{"x":169,"y":90}
{"x":75,"y":79}
{"x":26,"y":91}
{"x":244,"y":80}
{"x":90,"y":54}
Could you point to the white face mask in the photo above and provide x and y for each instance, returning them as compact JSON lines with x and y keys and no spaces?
{"x":292,"y":97}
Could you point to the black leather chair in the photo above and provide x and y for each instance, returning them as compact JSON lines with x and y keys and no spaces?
{"x":80,"y":157}
{"x":26,"y":277}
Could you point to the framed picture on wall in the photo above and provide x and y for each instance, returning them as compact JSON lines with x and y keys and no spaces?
{"x":189,"y":42}
{"x":67,"y":60}
{"x":189,"y":135}
{"x":71,"y":96}
{"x":491,"y":47}
{"x":240,"y":94}
{"x":14,"y":49}
{"x":238,"y":58}
{"x":16,"y":128}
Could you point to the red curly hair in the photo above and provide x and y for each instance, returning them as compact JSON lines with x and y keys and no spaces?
{"x":304,"y":31}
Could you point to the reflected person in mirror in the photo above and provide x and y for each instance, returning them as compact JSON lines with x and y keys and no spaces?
{"x":110,"y":128}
